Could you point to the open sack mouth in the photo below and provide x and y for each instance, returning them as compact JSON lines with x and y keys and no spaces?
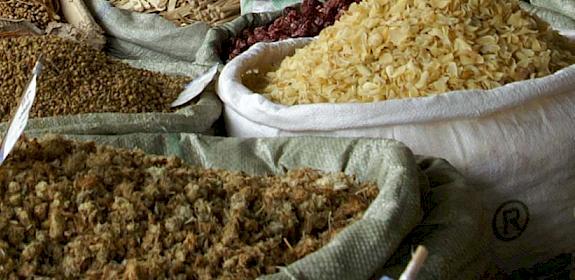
{"x":248,"y":71}
{"x":381,"y":51}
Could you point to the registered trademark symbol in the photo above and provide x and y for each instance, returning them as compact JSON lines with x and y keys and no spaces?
{"x":510,"y":220}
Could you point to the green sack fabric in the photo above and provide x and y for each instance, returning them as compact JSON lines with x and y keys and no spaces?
{"x":262,"y":6}
{"x":149,"y":41}
{"x":198,"y":117}
{"x":450,"y":226}
{"x":451,"y":229}
{"x":560,"y":14}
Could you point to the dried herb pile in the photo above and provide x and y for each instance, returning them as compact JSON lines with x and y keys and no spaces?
{"x":306,"y":21}
{"x":71,"y":209}
{"x":78,"y":79}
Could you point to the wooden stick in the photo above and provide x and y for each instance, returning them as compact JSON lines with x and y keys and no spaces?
{"x":231,"y":7}
{"x":226,"y":9}
{"x":232,"y":2}
{"x":414,"y":266}
{"x":229,"y":14}
{"x":172,"y":5}
{"x":178,"y":13}
{"x":217,"y":3}
{"x":215,"y":16}
{"x":287,"y":243}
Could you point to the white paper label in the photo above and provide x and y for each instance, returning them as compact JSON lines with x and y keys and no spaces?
{"x":195,"y":87}
{"x":18,"y":123}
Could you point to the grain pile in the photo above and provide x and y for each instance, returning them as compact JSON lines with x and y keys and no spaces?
{"x":184,"y":12}
{"x":78,"y":79}
{"x":382,"y":49}
{"x":71,"y":210}
{"x":39,"y":12}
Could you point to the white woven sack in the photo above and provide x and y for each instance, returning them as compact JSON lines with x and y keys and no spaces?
{"x":515,"y":143}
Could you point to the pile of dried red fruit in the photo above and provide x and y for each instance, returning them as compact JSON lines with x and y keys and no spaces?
{"x":306,"y":21}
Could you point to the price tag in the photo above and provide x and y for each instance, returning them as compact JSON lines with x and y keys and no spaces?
{"x":196,"y":87}
{"x":20,"y":119}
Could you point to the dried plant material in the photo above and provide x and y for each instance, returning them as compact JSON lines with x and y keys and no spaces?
{"x":184,"y":12}
{"x":77,"y":210}
{"x":78,"y":79}
{"x":38,"y":12}
{"x":307,"y":21}
{"x":383,"y":49}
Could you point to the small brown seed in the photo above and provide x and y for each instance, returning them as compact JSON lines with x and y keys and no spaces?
{"x":77,"y":79}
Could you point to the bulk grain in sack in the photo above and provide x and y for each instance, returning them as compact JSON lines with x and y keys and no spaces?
{"x":507,"y":124}
{"x":83,"y":91}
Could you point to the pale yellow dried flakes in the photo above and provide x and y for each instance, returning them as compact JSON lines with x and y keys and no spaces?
{"x":383,"y":49}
